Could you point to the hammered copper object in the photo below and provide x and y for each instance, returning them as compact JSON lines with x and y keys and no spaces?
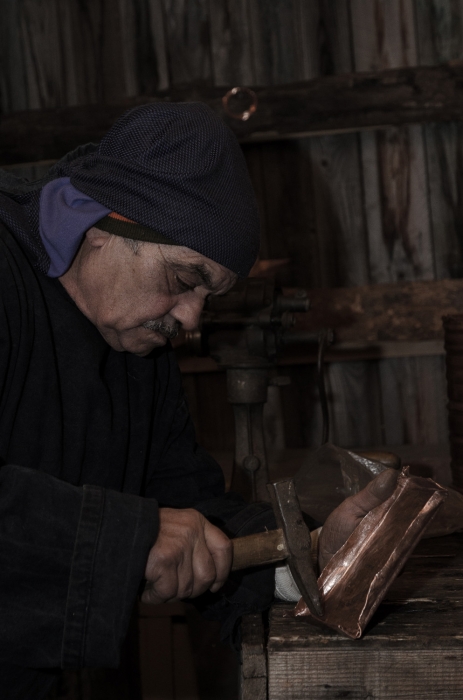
{"x":356,"y":579}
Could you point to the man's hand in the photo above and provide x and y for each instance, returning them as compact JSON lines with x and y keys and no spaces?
{"x":189,"y":557}
{"x":343,"y":521}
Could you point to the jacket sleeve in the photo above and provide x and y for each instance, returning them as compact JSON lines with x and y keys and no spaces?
{"x":72,"y":559}
{"x":188,"y":477}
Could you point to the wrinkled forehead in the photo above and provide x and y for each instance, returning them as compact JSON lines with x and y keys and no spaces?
{"x":208,"y":273}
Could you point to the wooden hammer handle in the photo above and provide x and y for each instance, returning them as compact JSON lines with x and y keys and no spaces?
{"x":261,"y":548}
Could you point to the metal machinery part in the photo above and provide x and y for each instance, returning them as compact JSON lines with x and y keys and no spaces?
{"x":244,"y":330}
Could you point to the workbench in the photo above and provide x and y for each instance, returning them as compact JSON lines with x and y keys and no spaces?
{"x":412,"y":648}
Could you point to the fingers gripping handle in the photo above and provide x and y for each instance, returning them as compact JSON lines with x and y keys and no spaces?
{"x":262,"y":548}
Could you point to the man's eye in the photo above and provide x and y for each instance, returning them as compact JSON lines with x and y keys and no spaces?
{"x":183,"y":286}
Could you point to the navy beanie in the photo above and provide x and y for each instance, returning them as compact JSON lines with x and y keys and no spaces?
{"x":178,"y":169}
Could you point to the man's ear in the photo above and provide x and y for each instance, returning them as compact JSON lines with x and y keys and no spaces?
{"x":97,"y":238}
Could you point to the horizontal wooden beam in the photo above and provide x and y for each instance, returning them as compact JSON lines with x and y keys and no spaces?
{"x":339,"y":352}
{"x":401,"y":312}
{"x":330,"y":104}
{"x":370,"y":323}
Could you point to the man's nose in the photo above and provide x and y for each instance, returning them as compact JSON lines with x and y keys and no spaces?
{"x":187,"y":312}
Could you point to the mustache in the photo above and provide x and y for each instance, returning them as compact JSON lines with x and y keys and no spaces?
{"x":168,"y":330}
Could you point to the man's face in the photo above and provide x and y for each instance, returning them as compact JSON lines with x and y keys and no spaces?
{"x":139,"y":299}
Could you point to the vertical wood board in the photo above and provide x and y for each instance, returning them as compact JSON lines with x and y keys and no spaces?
{"x":335,"y":37}
{"x":156,"y":30}
{"x":283,"y":40}
{"x":440,"y":39}
{"x":394,"y":172}
{"x":397,"y":210}
{"x":444,"y":152}
{"x":414,"y":401}
{"x":383,"y":34}
{"x":231,"y":43}
{"x":338,"y":205}
{"x":188,"y":41}
{"x":355,"y":413}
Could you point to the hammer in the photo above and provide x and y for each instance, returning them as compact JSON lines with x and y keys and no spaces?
{"x":290,"y":542}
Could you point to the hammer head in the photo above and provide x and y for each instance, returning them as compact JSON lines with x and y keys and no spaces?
{"x":289,"y":518}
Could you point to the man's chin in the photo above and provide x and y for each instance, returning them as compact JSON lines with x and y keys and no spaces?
{"x":136,"y":346}
{"x":144,"y":348}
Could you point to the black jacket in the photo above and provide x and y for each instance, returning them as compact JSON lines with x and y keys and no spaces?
{"x":92,"y":441}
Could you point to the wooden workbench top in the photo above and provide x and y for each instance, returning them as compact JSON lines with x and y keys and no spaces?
{"x":412,"y":648}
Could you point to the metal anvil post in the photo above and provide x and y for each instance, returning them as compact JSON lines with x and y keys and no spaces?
{"x":243,"y":331}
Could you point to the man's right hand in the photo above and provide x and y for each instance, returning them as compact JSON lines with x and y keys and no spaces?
{"x":189,"y":557}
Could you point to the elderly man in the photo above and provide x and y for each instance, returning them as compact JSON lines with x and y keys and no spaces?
{"x":102,"y":486}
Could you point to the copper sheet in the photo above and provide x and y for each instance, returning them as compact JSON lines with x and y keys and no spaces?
{"x":356,"y":579}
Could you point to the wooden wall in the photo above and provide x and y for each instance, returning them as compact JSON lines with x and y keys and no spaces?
{"x":350,"y":209}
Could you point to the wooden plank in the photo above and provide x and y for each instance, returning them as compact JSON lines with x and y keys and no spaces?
{"x":413,"y":648}
{"x":337,"y":199}
{"x":281,"y":177}
{"x":145,"y":52}
{"x":332,"y":103}
{"x":372,"y":321}
{"x":231,"y":43}
{"x":396,"y":197}
{"x":407,"y":626}
{"x":253,"y":684}
{"x":187,"y":34}
{"x":252,"y":645}
{"x":280,"y":44}
{"x":340,"y":352}
{"x":444,"y":152}
{"x":44,"y":30}
{"x":158,"y":38}
{"x":414,"y":401}
{"x":354,"y":403}
{"x":440,"y":39}
{"x":254,"y":689}
{"x":335,"y":37}
{"x":439,"y":28}
{"x":400,"y":240}
{"x":60,"y":54}
{"x":282,"y":40}
{"x":395,"y":185}
{"x":406,"y":311}
{"x":118,"y":49}
{"x":349,"y":674}
{"x":13,"y":89}
{"x":383,"y":34}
